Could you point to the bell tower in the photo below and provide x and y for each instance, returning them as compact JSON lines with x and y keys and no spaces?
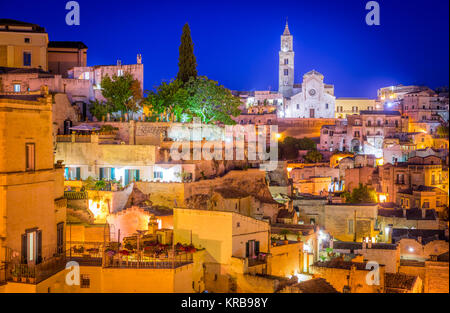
{"x":286,"y":64}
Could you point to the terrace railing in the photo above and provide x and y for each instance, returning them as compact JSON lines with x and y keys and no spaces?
{"x":172,"y":262}
{"x":35,"y":273}
{"x":75,"y":195}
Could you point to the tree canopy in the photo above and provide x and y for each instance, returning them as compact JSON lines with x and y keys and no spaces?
{"x":187,"y":65}
{"x":199,"y":97}
{"x":122,"y":93}
{"x":289,"y":147}
{"x":362,"y":194}
{"x":313,"y":156}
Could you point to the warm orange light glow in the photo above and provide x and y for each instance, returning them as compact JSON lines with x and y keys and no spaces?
{"x":380,"y":161}
{"x":382,"y":198}
{"x":278,"y":136}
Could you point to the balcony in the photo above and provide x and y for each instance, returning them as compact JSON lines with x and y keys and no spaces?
{"x":34,"y":274}
{"x":259,"y":259}
{"x":147,"y":262}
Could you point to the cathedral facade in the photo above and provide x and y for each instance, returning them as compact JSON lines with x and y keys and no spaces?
{"x":310,"y":99}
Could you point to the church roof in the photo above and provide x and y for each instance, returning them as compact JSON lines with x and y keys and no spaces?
{"x":286,"y":30}
{"x":313,"y":72}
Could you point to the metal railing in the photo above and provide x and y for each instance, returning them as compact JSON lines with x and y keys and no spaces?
{"x":258,"y":259}
{"x":2,"y":274}
{"x":35,"y":273}
{"x":148,"y":262}
{"x":75,"y":195}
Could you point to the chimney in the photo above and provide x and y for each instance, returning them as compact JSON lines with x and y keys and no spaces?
{"x":139,"y":59}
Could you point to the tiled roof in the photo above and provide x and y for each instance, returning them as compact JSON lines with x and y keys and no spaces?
{"x":366,"y":112}
{"x":17,"y":70}
{"x":21,"y":97}
{"x":231,"y":193}
{"x":427,"y":235}
{"x":9,"y":22}
{"x":399,"y":281}
{"x":315,"y":285}
{"x":416,"y":215}
{"x":348,"y":245}
{"x":443,"y":257}
{"x":285,"y":213}
{"x":67,"y":44}
{"x":341,"y":264}
{"x":390,"y":213}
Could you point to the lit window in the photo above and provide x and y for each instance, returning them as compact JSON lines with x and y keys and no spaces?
{"x":120,"y":73}
{"x":16,"y":87}
{"x":86,"y":75}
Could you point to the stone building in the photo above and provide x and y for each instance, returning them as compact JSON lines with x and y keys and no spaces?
{"x":32,"y":206}
{"x":351,"y":106}
{"x":312,"y":98}
{"x":350,"y":222}
{"x":23,"y":45}
{"x":417,"y":171}
{"x":64,"y":55}
{"x":350,"y":276}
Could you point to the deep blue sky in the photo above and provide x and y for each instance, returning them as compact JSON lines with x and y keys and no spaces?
{"x":237,"y":42}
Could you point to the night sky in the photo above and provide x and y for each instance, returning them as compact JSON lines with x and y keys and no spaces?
{"x":237,"y":42}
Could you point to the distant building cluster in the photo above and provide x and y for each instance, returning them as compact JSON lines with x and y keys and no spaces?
{"x":110,"y":195}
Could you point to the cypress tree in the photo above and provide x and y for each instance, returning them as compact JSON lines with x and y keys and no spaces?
{"x":187,"y":65}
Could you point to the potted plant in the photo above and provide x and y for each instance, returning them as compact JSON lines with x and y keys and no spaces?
{"x":15,"y":274}
{"x":31,"y":278}
{"x":23,"y":277}
{"x":285,"y":232}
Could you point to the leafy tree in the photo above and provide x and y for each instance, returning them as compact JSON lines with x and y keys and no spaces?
{"x":99,"y":109}
{"x":122,"y":93}
{"x":168,"y":102}
{"x":288,"y":149}
{"x":210,"y":101}
{"x":313,"y":156}
{"x":442,"y":131}
{"x":362,"y":194}
{"x":134,"y":103}
{"x":187,"y":65}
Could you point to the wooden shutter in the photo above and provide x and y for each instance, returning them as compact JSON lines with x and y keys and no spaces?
{"x":78,"y":173}
{"x":256,"y":247}
{"x":39,"y":246}
{"x":23,"y":255}
{"x":102,"y":173}
{"x":247,"y":251}
{"x":137,"y":175}
{"x":127,"y":177}
{"x":113,"y":173}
